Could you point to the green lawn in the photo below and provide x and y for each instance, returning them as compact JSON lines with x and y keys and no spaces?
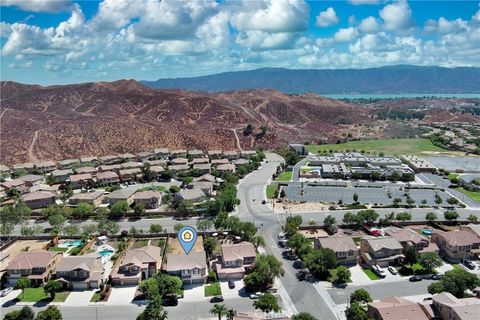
{"x":453,"y":176}
{"x":271,"y":191}
{"x":139,"y":243}
{"x":333,"y":276}
{"x":96,"y":296}
{"x":153,"y":188}
{"x":213,"y":290}
{"x":37,"y":294}
{"x":57,"y":249}
{"x":388,"y":146}
{"x":284,"y":176}
{"x":475,"y":195}
{"x":370,"y":274}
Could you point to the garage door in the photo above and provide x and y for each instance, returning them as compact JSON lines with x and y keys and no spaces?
{"x":130,"y":282}
{"x":80,"y":286}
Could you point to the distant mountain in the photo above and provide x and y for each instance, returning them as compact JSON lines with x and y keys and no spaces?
{"x":391,"y":79}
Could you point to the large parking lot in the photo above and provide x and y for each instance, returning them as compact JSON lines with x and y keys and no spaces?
{"x":378,"y":195}
{"x":467,"y":164}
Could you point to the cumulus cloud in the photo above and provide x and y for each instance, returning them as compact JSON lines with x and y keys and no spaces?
{"x":369,"y":25}
{"x":50,"y":6}
{"x":445,"y":26}
{"x":397,"y":16}
{"x":345,"y":34}
{"x":327,"y":18}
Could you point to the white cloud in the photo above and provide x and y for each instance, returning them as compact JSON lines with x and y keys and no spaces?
{"x":361,"y":2}
{"x":265,"y":40}
{"x":369,"y":25}
{"x":327,"y":18}
{"x":345,"y":34}
{"x":50,"y":6}
{"x":445,"y":26}
{"x":352,"y":20}
{"x":397,"y":16}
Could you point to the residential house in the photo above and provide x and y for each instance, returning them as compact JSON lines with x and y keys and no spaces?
{"x":178,"y":168}
{"x":131,"y":165}
{"x":80,"y":272}
{"x":217,"y":162}
{"x":157,"y":170}
{"x":145,"y":155}
{"x":36,"y":265}
{"x":93,"y":198}
{"x":202,"y":168}
{"x":79,"y":181}
{"x":61,"y":176}
{"x":4,"y":169}
{"x":45,"y":187}
{"x":448,"y":307}
{"x":39,"y":199}
{"x":149,"y":199}
{"x":44,"y":167}
{"x":179,"y":161}
{"x":136,"y":265}
{"x":472,"y":228}
{"x":32,"y":179}
{"x":215,"y":154}
{"x":126,"y":194}
{"x":194,"y":195}
{"x":90,"y":160}
{"x":160,"y":162}
{"x":224,"y":168}
{"x":240,"y":162}
{"x":247,"y":154}
{"x":107,"y":178}
{"x":68,"y":163}
{"x":191,"y":268}
{"x":128,"y":157}
{"x":395,"y":308}
{"x":17,"y":184}
{"x":408,"y":237}
{"x":162,"y":153}
{"x":111,"y":159}
{"x":109,"y":167}
{"x":231,"y":155}
{"x":130,"y":174}
{"x":206,"y":187}
{"x":179,"y":153}
{"x":236,"y":260}
{"x":456,"y":245}
{"x":27,"y":167}
{"x":200,"y":161}
{"x":383,"y":251}
{"x":344,"y":247}
{"x":205,"y":178}
{"x":193,"y":154}
{"x":82,"y":170}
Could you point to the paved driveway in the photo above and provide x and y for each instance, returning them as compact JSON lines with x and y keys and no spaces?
{"x":238,"y":291}
{"x":12,"y":295}
{"x":122,"y":295}
{"x":79,"y":298}
{"x":359,"y":278}
{"x":193,"y":292}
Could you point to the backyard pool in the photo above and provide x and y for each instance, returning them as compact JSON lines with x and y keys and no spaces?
{"x":75,"y":243}
{"x":105,"y":253}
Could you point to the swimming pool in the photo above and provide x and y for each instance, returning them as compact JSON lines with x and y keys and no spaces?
{"x":105,"y":253}
{"x":75,"y":243}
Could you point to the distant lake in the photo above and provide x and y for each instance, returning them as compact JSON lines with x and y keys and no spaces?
{"x":399,"y":95}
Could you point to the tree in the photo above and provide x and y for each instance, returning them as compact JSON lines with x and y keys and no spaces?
{"x":149,"y":287}
{"x":231,"y":313}
{"x":26,"y":313}
{"x":168,"y":284}
{"x":248,"y":129}
{"x":204,"y":225}
{"x":219,"y":310}
{"x":139,"y":209}
{"x":154,"y":310}
{"x":452,"y":201}
{"x":267,"y":302}
{"x":319,"y":261}
{"x":438,"y":199}
{"x":174,"y":189}
{"x":303,"y":316}
{"x":329,"y":224}
{"x":456,"y":282}
{"x":22,"y":284}
{"x":291,"y":157}
{"x":292,"y":224}
{"x":12,"y":315}
{"x":360,"y":296}
{"x":185,"y":208}
{"x":51,"y":313}
{"x":431,"y":216}
{"x":156,"y":228}
{"x":343,"y":274}
{"x":397,"y":201}
{"x":355,"y":197}
{"x":451,"y":215}
{"x":52,"y":287}
{"x":411,"y":255}
{"x":109,"y":227}
{"x":177,"y":227}
{"x":265,"y":269}
{"x":118,"y":209}
{"x":430,"y":260}
{"x":368,"y":216}
{"x":472,"y":218}
{"x":423,"y":202}
{"x":56,"y":221}
{"x":404,"y":216}
{"x":82,"y":211}
{"x":209,"y":245}
{"x":356,"y":312}
{"x":296,"y":241}
{"x":72,"y":230}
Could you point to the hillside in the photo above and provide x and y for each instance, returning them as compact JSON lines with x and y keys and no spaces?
{"x":393,"y":79}
{"x":125,"y":116}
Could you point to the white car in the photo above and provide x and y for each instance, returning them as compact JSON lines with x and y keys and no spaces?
{"x":392,"y":270}
{"x":6,"y":291}
{"x":256,"y":295}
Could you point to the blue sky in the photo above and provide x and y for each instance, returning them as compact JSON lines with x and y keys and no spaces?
{"x":65,"y":41}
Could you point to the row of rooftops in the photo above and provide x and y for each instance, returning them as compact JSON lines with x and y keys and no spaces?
{"x":140,"y":156}
{"x":353,"y":158}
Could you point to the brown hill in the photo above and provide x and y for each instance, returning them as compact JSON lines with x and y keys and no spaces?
{"x":124,"y":116}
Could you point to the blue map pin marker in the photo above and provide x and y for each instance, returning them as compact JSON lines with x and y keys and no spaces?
{"x":187,"y":236}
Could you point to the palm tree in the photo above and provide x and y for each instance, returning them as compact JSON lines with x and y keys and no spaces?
{"x":220,"y":310}
{"x":231,"y":314}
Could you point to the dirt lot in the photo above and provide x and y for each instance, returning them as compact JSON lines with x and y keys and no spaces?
{"x":175,"y":247}
{"x":21,"y":245}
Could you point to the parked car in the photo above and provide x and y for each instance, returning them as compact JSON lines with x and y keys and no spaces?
{"x":415,"y":279}
{"x":264,"y":201}
{"x":170,"y":300}
{"x":392,"y":270}
{"x":281,"y":235}
{"x":6,"y":291}
{"x":256,"y":295}
{"x":216,"y":299}
{"x":298,"y":264}
{"x":379,"y":271}
{"x":231,"y":284}
{"x":437,"y":276}
{"x":469,"y":264}
{"x":428,"y":276}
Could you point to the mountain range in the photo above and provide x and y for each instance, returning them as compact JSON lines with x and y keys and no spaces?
{"x":385,"y":80}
